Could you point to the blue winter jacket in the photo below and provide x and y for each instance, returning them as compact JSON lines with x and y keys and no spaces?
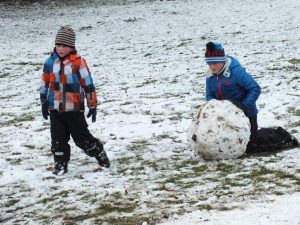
{"x":234,"y":84}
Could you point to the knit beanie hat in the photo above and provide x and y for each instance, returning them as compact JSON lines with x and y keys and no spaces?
{"x":65,"y":36}
{"x":214,"y":53}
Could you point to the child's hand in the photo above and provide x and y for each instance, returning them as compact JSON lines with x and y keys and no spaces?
{"x":92,"y":112}
{"x":238,"y":104}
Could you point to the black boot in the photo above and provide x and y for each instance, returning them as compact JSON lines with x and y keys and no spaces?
{"x":103,"y":159}
{"x":295,"y":141}
{"x":60,"y":168}
{"x":289,"y":140}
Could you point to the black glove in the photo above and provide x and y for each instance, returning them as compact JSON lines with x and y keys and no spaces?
{"x":93,"y":113}
{"x":45,"y":111}
{"x":238,"y":104}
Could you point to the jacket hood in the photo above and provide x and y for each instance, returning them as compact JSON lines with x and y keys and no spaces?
{"x":234,"y":63}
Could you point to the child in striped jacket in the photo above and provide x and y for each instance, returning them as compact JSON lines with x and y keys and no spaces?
{"x":66,"y":81}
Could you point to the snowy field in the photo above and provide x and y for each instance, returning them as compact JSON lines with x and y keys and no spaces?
{"x":147,"y":62}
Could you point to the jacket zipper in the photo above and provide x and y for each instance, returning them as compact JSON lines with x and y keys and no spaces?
{"x":219,"y":87}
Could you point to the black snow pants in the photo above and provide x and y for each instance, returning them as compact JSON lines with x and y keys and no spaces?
{"x":71,"y":123}
{"x":268,"y":139}
{"x":253,"y":128}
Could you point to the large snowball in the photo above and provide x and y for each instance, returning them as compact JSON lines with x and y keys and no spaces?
{"x":220,"y":130}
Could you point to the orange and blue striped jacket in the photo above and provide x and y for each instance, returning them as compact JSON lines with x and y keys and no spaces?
{"x":66,"y":82}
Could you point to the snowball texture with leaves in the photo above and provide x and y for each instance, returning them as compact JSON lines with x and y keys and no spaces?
{"x":220,"y":130}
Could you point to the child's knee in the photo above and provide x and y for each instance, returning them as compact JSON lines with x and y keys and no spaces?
{"x":91,"y":147}
{"x":60,"y":151}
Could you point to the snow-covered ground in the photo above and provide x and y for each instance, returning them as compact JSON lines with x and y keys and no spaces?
{"x":147,"y":63}
{"x":272,"y":211}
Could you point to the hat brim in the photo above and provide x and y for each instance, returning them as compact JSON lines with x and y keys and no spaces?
{"x":210,"y":60}
{"x":65,"y":45}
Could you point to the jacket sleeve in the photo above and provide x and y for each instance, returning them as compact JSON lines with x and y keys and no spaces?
{"x":87,"y":84}
{"x":246,"y":81}
{"x":208,"y":92}
{"x":44,"y":83}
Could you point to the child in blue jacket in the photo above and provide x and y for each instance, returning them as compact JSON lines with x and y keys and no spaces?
{"x":226,"y":79}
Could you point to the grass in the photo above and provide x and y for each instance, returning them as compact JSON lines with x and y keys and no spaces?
{"x":295,"y":124}
{"x":184,"y":176}
{"x":29,"y":146}
{"x":28,"y":63}
{"x":163,"y":136}
{"x":106,"y":212}
{"x":127,"y":160}
{"x":292,"y":110}
{"x":123,"y":111}
{"x":10,"y":96}
{"x":146,"y":82}
{"x":151,"y":164}
{"x":116,"y":195}
{"x":182,"y":163}
{"x":126,"y":103}
{"x":138,"y":145}
{"x":261,"y":172}
{"x":176,"y":178}
{"x":285,"y":68}
{"x":226,"y":168}
{"x":11,"y":202}
{"x":85,"y":28}
{"x":106,"y":208}
{"x":235,"y":182}
{"x":42,"y":129}
{"x":127,"y":220}
{"x":154,"y":121}
{"x":4,"y":74}
{"x":198,"y":170}
{"x":235,"y":33}
{"x":294,"y":61}
{"x":189,"y":184}
{"x":205,"y":207}
{"x":18,"y":119}
{"x":14,"y":161}
{"x":293,"y":79}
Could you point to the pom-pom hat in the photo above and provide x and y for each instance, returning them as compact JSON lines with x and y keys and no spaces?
{"x":214,"y":53}
{"x":65,"y":36}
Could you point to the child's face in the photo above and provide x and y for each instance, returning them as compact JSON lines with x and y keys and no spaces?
{"x":63,"y":50}
{"x":216,"y":67}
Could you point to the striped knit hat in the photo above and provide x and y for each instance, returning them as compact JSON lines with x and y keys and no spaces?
{"x":214,"y":53}
{"x":65,"y":36}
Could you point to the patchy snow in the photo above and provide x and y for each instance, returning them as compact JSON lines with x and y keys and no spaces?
{"x":277,"y":210}
{"x":147,"y":63}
